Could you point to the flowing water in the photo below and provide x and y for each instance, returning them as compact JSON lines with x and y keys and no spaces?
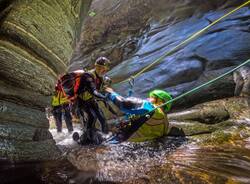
{"x":168,"y":160}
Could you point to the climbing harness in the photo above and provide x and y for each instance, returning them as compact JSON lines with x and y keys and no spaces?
{"x":185,"y":42}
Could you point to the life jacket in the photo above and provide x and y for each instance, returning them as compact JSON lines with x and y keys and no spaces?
{"x":99,"y":85}
{"x":59,"y":99}
{"x":70,"y":83}
{"x":155,"y":127}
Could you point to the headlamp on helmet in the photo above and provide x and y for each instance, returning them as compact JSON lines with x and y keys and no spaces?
{"x":102,"y":61}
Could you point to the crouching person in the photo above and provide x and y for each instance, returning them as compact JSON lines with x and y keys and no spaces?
{"x":143,"y":121}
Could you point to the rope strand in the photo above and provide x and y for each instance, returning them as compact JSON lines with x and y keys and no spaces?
{"x":203,"y":85}
{"x":189,"y":39}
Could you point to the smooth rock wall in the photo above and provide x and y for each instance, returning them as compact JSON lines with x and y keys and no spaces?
{"x":37,"y":38}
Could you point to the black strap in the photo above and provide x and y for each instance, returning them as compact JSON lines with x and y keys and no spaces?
{"x":135,"y":123}
{"x":108,"y":106}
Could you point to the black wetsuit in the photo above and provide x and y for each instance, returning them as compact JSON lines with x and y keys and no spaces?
{"x":60,"y":110}
{"x":92,"y":84}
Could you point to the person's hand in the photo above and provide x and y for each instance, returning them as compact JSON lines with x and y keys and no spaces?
{"x":107,"y":81}
{"x":109,"y":90}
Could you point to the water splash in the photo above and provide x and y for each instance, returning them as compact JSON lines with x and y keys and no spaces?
{"x":124,"y":161}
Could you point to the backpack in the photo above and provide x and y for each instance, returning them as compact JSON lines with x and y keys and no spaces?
{"x":69,"y":83}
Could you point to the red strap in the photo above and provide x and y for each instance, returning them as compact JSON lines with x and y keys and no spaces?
{"x":77,"y":83}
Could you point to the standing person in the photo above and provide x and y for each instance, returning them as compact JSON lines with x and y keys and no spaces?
{"x":91,"y":83}
{"x":61,"y":107}
{"x":143,"y":122}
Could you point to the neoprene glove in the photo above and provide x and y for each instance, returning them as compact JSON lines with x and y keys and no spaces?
{"x":99,"y":95}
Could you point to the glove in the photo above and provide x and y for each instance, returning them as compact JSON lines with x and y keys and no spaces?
{"x":100,"y":96}
{"x":107,"y":81}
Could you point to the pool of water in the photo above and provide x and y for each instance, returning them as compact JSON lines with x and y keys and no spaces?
{"x":168,"y":160}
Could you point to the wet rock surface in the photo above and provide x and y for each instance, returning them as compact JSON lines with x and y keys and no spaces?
{"x":133,"y":34}
{"x":209,"y":117}
{"x":202,"y":165}
{"x":36,"y":42}
{"x":142,"y":31}
{"x":215,"y":149}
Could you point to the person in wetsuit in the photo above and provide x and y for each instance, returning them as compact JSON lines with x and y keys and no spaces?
{"x":91,"y":83}
{"x":143,"y":122}
{"x":61,"y":107}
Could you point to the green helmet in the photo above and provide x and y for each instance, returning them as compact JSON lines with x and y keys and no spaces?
{"x":163,"y":95}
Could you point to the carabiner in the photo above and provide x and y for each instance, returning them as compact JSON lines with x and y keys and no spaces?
{"x":131,"y":82}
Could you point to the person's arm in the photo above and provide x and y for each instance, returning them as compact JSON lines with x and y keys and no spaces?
{"x":91,"y":87}
{"x":99,"y":95}
{"x":107,"y":81}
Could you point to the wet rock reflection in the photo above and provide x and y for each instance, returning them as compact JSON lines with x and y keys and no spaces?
{"x":225,"y":164}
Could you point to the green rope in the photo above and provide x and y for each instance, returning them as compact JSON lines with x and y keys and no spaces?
{"x":203,"y":85}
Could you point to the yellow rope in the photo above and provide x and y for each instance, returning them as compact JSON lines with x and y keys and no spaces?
{"x":193,"y":36}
